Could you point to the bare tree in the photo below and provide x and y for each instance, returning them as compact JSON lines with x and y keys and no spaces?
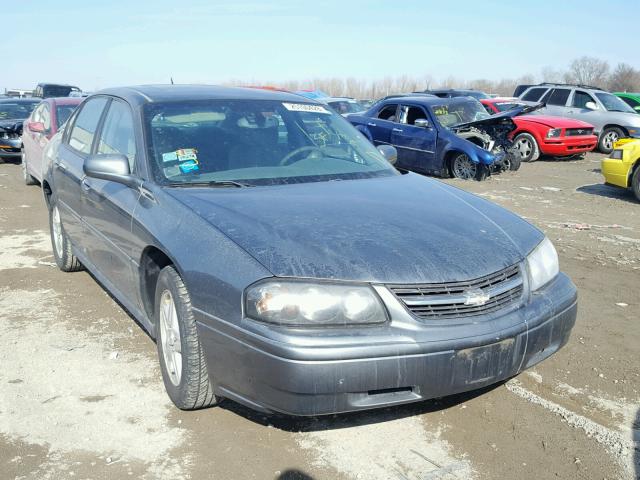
{"x":624,"y":78}
{"x":550,"y":74}
{"x":588,"y":71}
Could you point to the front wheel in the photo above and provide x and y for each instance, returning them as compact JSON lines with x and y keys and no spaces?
{"x":62,"y":252}
{"x":28,"y":178}
{"x":466,"y":169}
{"x":635,"y":182}
{"x":526,"y":147}
{"x":182,"y":362}
{"x":608,"y":138}
{"x":512,"y":161}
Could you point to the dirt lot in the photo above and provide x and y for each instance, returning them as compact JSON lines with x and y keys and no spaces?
{"x":81,"y":394}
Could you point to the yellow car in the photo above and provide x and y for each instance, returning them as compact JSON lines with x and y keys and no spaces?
{"x":622,"y":167}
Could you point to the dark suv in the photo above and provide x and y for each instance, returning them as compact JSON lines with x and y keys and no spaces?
{"x":48,"y":90}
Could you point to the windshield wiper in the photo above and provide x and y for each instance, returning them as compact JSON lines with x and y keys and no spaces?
{"x":212,"y":183}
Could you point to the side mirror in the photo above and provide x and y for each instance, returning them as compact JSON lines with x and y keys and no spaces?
{"x":36,"y":127}
{"x":421,"y":122}
{"x":389,"y":153}
{"x":590,"y":106}
{"x":112,"y":167}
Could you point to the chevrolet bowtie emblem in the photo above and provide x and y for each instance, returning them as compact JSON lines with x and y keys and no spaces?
{"x":476,"y":297}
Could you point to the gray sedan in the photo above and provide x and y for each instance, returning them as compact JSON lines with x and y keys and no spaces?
{"x":279,"y":260}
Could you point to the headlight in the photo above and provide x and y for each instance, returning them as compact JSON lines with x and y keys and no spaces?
{"x":310,"y":304}
{"x":616,"y":154}
{"x":543,"y":264}
{"x":554,"y":132}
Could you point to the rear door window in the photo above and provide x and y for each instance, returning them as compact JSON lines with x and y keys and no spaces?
{"x":534,"y":94}
{"x":86,"y":123}
{"x":559,"y":97}
{"x":388,"y":112}
{"x":580,"y":99}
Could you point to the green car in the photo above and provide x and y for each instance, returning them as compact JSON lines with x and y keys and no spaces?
{"x":632,"y":99}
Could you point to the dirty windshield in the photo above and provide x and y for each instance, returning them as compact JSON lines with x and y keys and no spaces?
{"x":257,"y":142}
{"x":452,"y":114}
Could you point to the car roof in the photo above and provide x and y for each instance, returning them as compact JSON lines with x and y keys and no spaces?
{"x":48,"y":84}
{"x":20,"y":100}
{"x":141,"y":94}
{"x":338,"y":99}
{"x":65,"y":100}
{"x":427,"y":100}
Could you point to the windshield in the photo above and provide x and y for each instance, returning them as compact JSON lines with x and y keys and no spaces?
{"x":58,"y":90}
{"x":347,"y":106}
{"x":613,"y":103}
{"x":451,"y":114}
{"x":63,"y":112}
{"x":504,"y":106}
{"x":474,"y":94}
{"x":256,"y":142}
{"x":16,"y":110}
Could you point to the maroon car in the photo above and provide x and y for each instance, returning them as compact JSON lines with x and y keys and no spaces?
{"x":43,"y":123}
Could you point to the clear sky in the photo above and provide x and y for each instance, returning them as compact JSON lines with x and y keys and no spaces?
{"x":95,"y":44}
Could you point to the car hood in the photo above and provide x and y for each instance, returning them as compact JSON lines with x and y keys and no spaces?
{"x":554,"y":122}
{"x":12,"y":126}
{"x":401,"y":229}
{"x":505,"y":117}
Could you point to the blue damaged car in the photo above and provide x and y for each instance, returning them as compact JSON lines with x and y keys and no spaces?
{"x":442,"y":136}
{"x":279,"y":260}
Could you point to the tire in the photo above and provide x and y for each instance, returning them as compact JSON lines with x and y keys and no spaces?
{"x":608,"y":137}
{"x":513,"y":161}
{"x":635,"y":182}
{"x":184,"y":373}
{"x":464,"y":168}
{"x":526,"y":147}
{"x":62,"y":252}
{"x":28,"y":178}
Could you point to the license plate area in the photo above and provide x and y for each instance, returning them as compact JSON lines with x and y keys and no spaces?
{"x":482,"y":365}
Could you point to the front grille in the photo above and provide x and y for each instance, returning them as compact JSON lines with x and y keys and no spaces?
{"x":577,"y":132}
{"x":471,"y":298}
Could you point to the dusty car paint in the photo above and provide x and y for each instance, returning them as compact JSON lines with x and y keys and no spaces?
{"x":401,"y":230}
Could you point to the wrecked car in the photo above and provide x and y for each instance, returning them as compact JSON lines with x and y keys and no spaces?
{"x":442,"y":136}
{"x":13,"y":112}
{"x":279,"y":260}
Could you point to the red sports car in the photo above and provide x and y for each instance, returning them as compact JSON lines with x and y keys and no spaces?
{"x":537,"y":135}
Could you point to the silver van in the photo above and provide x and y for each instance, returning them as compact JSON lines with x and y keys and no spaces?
{"x":611,"y":117}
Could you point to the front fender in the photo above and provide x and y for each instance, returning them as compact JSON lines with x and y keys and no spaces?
{"x":475,"y":153}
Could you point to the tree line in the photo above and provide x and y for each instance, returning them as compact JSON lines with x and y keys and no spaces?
{"x":584,"y":70}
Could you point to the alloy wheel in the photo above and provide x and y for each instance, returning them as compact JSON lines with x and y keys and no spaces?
{"x":464,"y":168}
{"x":524,"y":147}
{"x":610,"y":139}
{"x":56,"y":224}
{"x":170,"y":337}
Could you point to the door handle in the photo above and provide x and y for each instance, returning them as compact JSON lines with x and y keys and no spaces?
{"x":61,"y":166}
{"x":85,"y":185}
{"x":397,"y":130}
{"x":371,"y":124}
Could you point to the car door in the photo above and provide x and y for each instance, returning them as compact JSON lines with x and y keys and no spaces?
{"x":108,"y":206}
{"x":382,"y":123}
{"x":30,"y":138}
{"x":416,"y":145}
{"x":67,"y":168}
{"x":578,"y":108}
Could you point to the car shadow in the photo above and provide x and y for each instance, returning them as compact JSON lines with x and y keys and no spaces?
{"x":353,"y":419}
{"x":294,"y":474}
{"x":604,"y":190}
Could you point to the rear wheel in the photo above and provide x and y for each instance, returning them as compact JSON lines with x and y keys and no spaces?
{"x":526,"y":147}
{"x":182,"y":362}
{"x":635,"y":182}
{"x":608,"y":138}
{"x":62,"y":252}
{"x":28,"y":178}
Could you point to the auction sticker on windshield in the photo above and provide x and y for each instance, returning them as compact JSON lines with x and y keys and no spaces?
{"x":305,"y":107}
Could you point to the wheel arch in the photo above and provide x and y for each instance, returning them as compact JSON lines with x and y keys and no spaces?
{"x":612,"y":125}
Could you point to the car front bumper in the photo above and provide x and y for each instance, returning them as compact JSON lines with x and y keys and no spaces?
{"x":298,"y":380}
{"x":10,"y":148}
{"x":560,"y":147}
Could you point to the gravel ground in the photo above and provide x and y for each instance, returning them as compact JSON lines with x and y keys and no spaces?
{"x":81,"y":394}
